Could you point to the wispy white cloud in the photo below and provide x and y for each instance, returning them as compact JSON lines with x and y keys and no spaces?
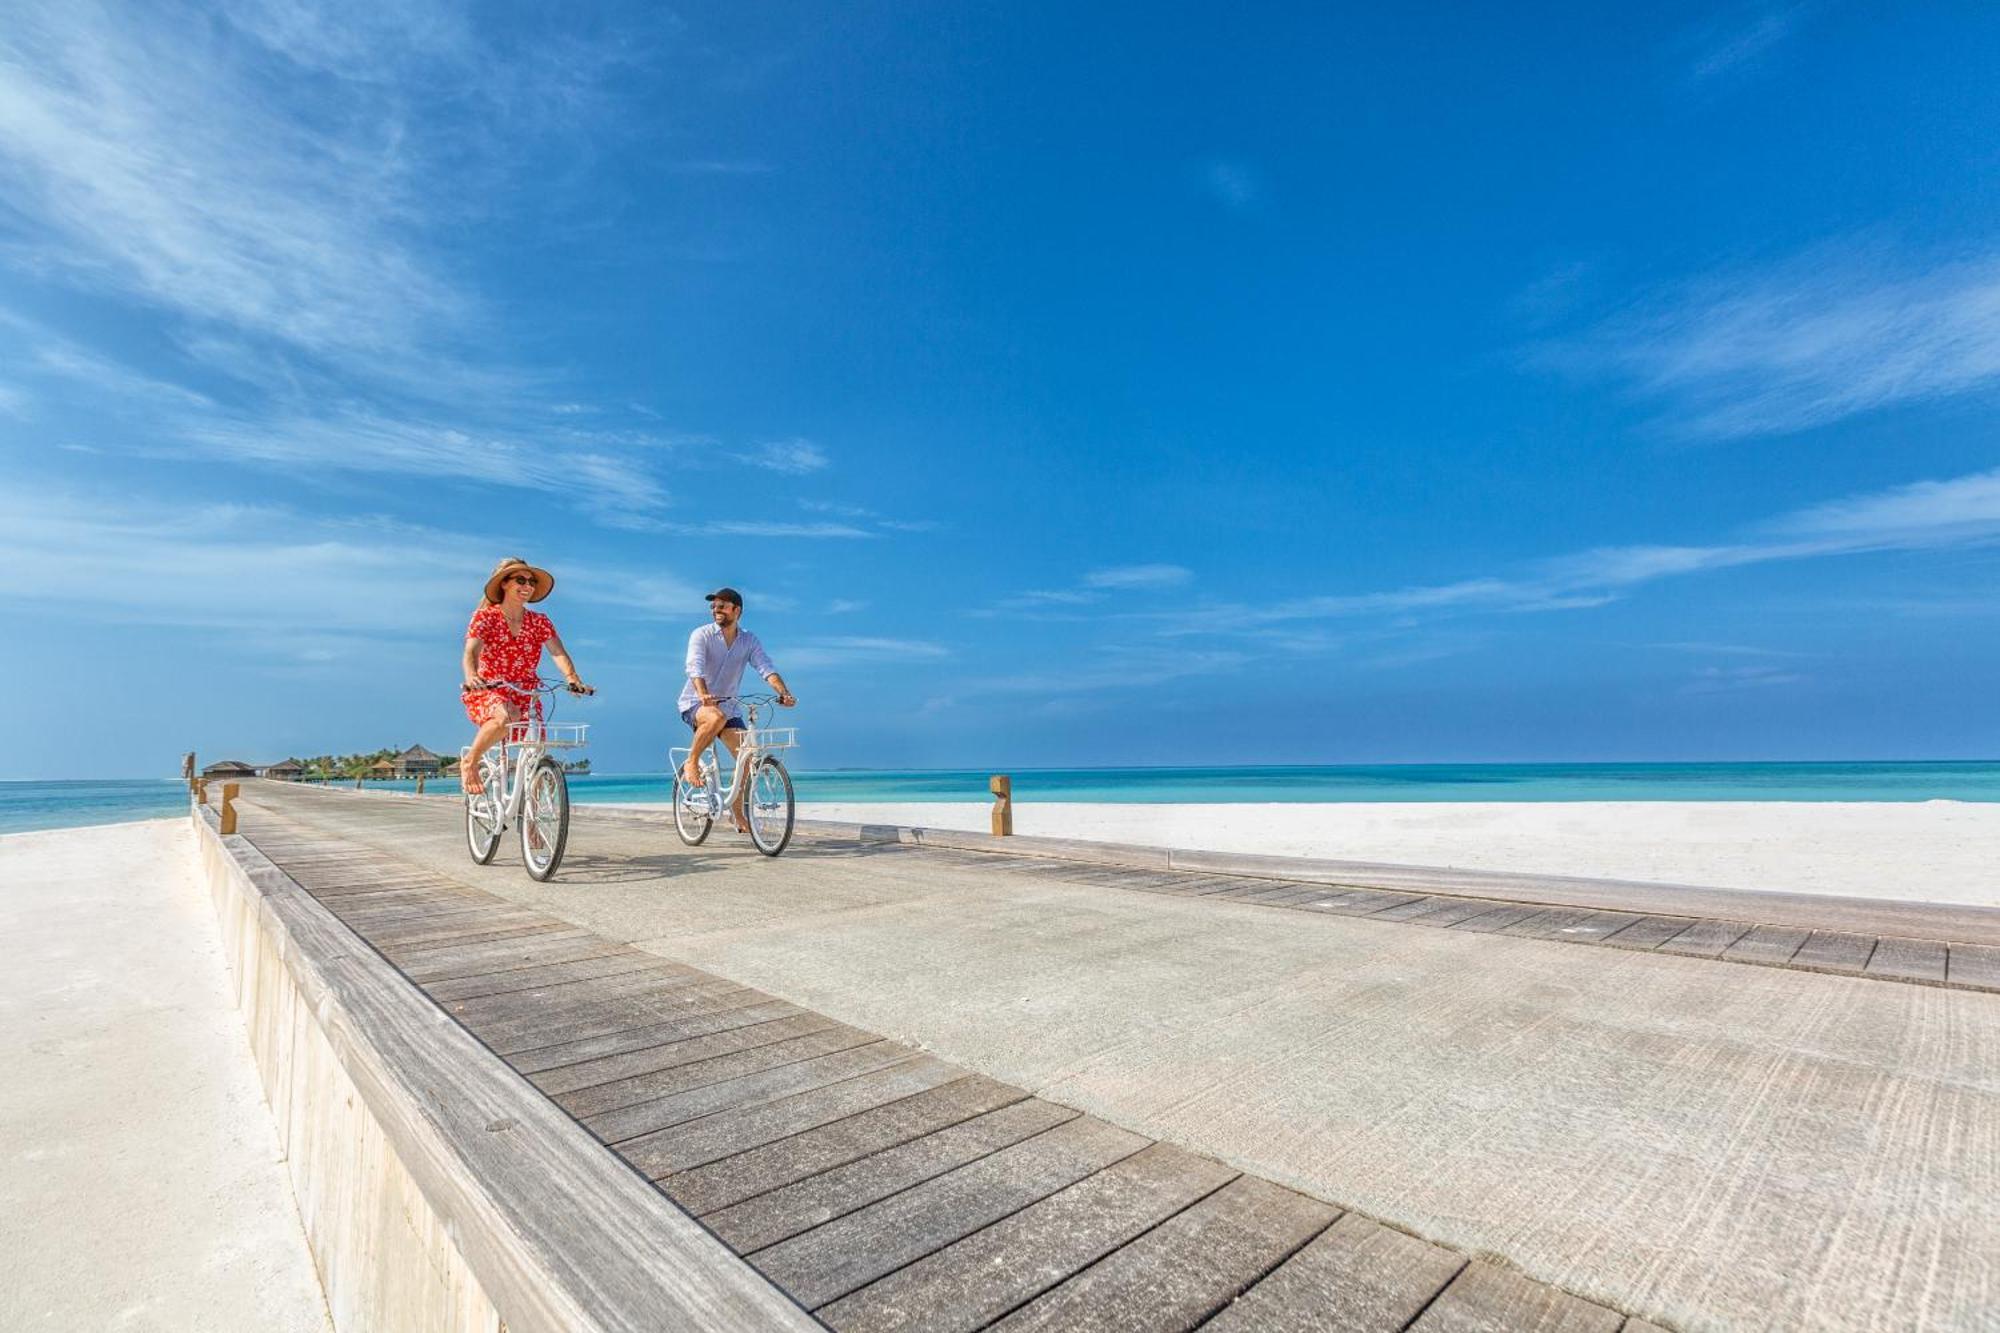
{"x":855,"y":650}
{"x":1824,"y":336}
{"x":720,"y":167}
{"x":1721,"y":680}
{"x":1957,"y":512}
{"x":1723,"y":50}
{"x":842,"y":606}
{"x":796,"y":456}
{"x":1138,"y":576}
{"x":1234,"y":184}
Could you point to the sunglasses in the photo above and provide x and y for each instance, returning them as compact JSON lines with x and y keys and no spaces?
{"x":528,"y":579}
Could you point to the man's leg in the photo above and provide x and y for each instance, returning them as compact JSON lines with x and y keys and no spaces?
{"x":733,"y":738}
{"x":708,"y":723}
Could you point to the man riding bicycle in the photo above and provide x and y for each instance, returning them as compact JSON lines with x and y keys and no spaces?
{"x":716,"y":656}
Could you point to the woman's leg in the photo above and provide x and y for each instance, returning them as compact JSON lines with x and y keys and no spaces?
{"x":490,"y":731}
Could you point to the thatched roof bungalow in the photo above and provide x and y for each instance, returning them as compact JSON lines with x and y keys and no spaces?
{"x":416,"y":760}
{"x":286,"y":770}
{"x":229,"y":768}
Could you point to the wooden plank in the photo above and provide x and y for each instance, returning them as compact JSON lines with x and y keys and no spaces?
{"x":1706,"y":938}
{"x":528,"y":978}
{"x":1454,"y":910}
{"x":530,"y":1033}
{"x":1355,"y":902}
{"x":1417,"y":906}
{"x":1358,"y":1275}
{"x":755,"y":1008}
{"x":1648,"y":932}
{"x":1834,"y":951}
{"x":395,"y":946}
{"x":1183,"y":1270}
{"x":1907,"y":960}
{"x":1594,"y":928}
{"x":671,"y":1054}
{"x":749,"y":1058}
{"x":473,"y":959}
{"x":559,"y":999}
{"x":1492,"y":923}
{"x":1974,"y":965}
{"x":1766,"y":944}
{"x":1489,"y":1299}
{"x":817,"y":1152}
{"x":798,"y":1206}
{"x":849,"y":1252}
{"x":767,"y":1085}
{"x":1544,"y":922}
{"x":687,"y":1146}
{"x":972,"y":1281}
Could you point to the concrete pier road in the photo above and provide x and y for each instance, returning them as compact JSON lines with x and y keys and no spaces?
{"x":1708,"y":1144}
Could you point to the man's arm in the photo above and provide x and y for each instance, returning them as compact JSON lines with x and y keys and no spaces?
{"x":696,"y":667}
{"x":768,"y":669}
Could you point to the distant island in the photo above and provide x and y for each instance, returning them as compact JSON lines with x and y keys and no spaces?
{"x":387,"y":764}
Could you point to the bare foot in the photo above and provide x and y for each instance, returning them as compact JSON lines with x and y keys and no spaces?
{"x":691,"y":777}
{"x":742,"y":824}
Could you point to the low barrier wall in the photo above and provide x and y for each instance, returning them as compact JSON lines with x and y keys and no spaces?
{"x":439,"y":1190}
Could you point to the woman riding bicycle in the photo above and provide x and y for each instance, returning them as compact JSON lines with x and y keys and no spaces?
{"x":502,"y":659}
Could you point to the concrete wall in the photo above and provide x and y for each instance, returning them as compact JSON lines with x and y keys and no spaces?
{"x":439,"y":1190}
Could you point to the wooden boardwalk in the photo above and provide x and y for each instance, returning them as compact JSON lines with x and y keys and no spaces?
{"x":880,"y":1187}
{"x":1928,"y":962}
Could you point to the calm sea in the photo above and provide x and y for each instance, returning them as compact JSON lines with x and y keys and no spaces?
{"x":39,"y":805}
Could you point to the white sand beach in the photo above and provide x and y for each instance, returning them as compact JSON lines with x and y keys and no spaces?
{"x":142,"y":1183}
{"x":1929,"y":851}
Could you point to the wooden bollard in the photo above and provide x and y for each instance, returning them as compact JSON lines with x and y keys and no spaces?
{"x":201,"y":791}
{"x":1002,"y":788}
{"x":420,"y":784}
{"x":229,"y":790}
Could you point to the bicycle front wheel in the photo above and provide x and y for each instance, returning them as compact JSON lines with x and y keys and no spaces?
{"x":771,"y":808}
{"x":482,"y":812}
{"x":544,"y":819}
{"x":690,"y":822}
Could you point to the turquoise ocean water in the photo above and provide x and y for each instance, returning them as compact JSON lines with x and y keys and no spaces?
{"x":39,"y":805}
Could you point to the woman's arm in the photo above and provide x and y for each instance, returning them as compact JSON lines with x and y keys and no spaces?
{"x":469,"y":662}
{"x":567,"y":667}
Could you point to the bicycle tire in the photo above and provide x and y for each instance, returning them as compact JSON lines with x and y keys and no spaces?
{"x":482,"y":834}
{"x":546,"y":783}
{"x":760,"y":837}
{"x":693,"y":828}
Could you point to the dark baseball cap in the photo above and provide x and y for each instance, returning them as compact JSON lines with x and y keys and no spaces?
{"x":726,"y":595}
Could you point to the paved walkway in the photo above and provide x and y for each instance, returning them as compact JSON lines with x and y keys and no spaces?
{"x":140,"y":1180}
{"x":1707,"y":1144}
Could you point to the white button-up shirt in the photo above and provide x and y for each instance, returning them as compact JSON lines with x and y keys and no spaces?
{"x":721,"y":664}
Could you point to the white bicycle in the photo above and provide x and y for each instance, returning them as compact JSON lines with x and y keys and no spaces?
{"x":757,"y":780}
{"x":524,"y":784}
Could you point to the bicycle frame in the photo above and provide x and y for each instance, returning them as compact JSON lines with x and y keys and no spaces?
{"x":521,"y":748}
{"x":755,"y":745}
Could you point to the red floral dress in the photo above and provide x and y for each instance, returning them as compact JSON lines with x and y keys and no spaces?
{"x":509,"y":657}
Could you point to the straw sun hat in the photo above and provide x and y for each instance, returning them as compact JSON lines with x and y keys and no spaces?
{"x":545,"y":582}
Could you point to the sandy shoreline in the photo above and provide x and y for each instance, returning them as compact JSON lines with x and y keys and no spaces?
{"x":1934,"y":851}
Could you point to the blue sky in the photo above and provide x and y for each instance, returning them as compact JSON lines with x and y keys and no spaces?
{"x":1062,"y":384}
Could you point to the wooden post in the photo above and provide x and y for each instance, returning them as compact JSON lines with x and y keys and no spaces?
{"x":420,"y":784}
{"x":1002,"y":788}
{"x":201,"y":791}
{"x":357,"y":780}
{"x":188,"y":769}
{"x":229,"y":790}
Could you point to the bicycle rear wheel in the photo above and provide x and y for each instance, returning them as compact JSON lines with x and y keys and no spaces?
{"x":482,"y":812}
{"x":544,"y":819}
{"x":770,"y":806}
{"x":692,"y":824}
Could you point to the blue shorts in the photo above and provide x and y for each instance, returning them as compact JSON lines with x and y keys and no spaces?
{"x":733,"y":724}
